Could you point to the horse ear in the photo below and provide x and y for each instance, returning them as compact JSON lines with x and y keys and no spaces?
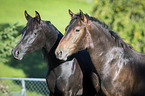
{"x":27,"y":16}
{"x":37,"y":16}
{"x":82,"y":16}
{"x":71,"y":13}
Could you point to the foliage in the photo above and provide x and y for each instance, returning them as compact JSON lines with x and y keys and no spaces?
{"x":125,"y":17}
{"x":8,"y":38}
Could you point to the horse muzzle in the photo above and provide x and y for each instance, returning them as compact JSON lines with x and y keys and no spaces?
{"x":16,"y":54}
{"x":61,"y":54}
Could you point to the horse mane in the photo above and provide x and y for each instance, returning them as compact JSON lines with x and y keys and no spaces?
{"x":118,"y":40}
{"x":51,"y":52}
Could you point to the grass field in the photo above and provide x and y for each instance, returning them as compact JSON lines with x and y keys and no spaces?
{"x":56,"y":11}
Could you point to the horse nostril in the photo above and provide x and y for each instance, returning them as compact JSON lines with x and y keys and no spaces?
{"x":59,"y":53}
{"x":17,"y":53}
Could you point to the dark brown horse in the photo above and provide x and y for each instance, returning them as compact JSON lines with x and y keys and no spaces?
{"x":64,"y":78}
{"x":120,"y":68}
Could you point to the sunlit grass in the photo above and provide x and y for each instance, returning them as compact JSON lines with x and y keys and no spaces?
{"x":7,"y":71}
{"x":56,"y":11}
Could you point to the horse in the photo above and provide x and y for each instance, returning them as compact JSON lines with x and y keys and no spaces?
{"x":64,"y":78}
{"x":120,"y":68}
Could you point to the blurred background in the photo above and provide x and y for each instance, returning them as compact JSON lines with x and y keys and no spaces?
{"x":126,"y":17}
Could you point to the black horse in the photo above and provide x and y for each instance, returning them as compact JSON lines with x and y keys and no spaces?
{"x":120,"y":68}
{"x":64,"y":78}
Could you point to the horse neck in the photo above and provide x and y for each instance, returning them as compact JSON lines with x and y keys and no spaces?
{"x":49,"y":48}
{"x":101,"y":42}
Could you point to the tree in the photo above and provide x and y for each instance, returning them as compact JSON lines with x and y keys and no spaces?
{"x":126,"y":17}
{"x":9,"y":38}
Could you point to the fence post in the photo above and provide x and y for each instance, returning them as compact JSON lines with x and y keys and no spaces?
{"x":23,"y":84}
{"x":23,"y":88}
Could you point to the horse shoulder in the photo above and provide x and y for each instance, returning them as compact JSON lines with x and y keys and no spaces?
{"x":117,"y":75}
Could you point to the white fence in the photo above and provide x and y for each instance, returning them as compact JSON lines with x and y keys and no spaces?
{"x":23,"y":87}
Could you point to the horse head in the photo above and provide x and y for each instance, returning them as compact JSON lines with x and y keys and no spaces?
{"x":76,"y":36}
{"x":33,"y":37}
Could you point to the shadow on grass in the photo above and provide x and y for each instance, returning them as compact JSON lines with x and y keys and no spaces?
{"x":32,"y":64}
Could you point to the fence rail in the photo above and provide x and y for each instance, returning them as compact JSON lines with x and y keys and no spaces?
{"x":23,"y":87}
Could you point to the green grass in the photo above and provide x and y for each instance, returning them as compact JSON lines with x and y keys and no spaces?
{"x":7,"y":71}
{"x":56,"y":11}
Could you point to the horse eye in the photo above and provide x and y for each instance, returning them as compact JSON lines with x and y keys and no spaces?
{"x":77,"y":30}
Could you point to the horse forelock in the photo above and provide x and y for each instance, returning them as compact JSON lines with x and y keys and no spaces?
{"x":75,"y":20}
{"x":32,"y":23}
